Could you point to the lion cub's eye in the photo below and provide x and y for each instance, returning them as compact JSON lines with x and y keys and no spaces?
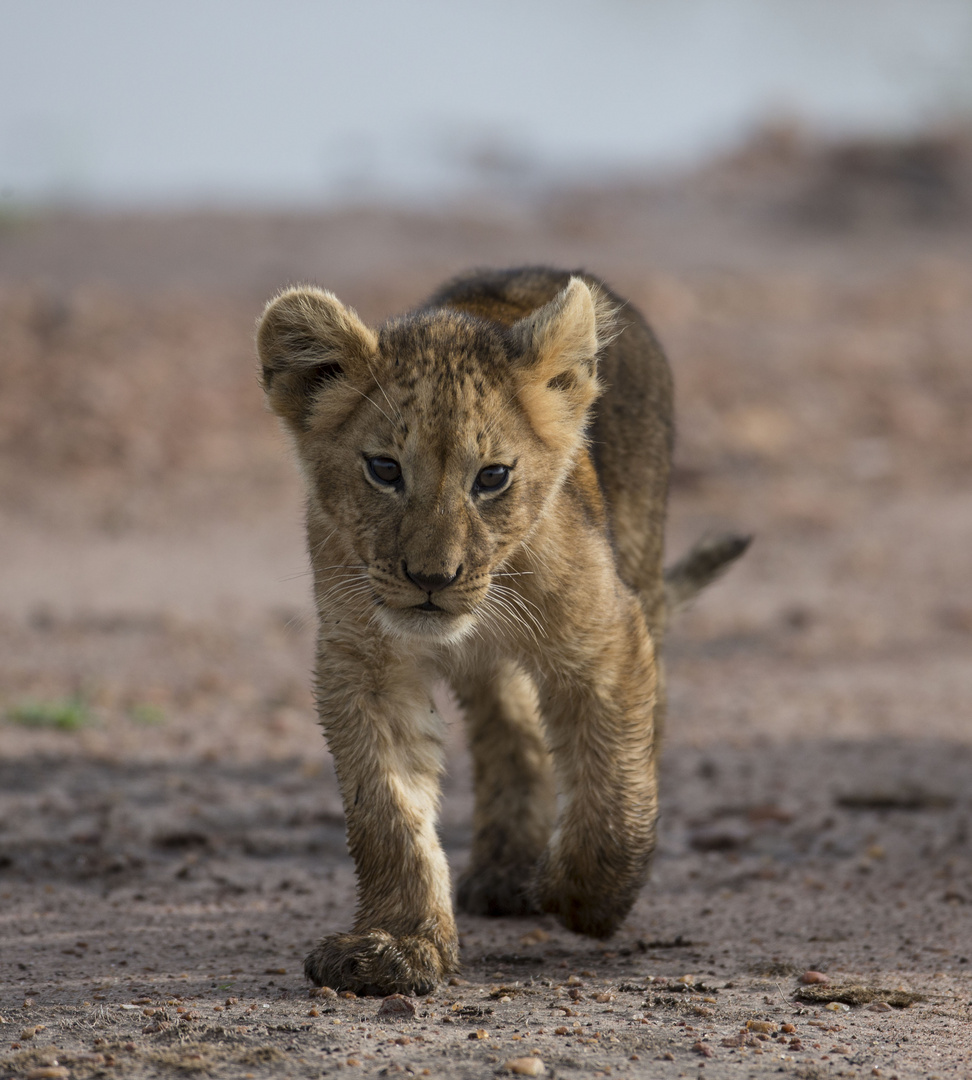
{"x":492,"y":477}
{"x":385,"y":470}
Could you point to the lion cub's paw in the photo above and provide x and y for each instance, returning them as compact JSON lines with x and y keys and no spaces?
{"x":596,"y":912}
{"x":497,"y":890}
{"x":377,"y":963}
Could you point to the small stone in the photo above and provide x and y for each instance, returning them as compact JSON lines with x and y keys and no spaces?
{"x":787,"y":1029}
{"x":353,"y":1061}
{"x":349,"y":994}
{"x":810,"y":977}
{"x":325,"y":992}
{"x":702,"y":1048}
{"x":837,"y":1006}
{"x":479,"y":1033}
{"x":879,"y":1006}
{"x":763,"y":1026}
{"x":456,"y":981}
{"x":603,"y":999}
{"x":48,"y":1072}
{"x":561,"y":1031}
{"x":535,"y":937}
{"x":686,"y":979}
{"x":525,"y":1066}
{"x":397,"y":1006}
{"x":573,"y":980}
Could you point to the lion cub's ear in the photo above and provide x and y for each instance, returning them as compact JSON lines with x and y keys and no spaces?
{"x":558,"y":371}
{"x":306,"y":338}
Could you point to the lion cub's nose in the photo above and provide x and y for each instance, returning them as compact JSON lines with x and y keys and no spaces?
{"x":431,"y":583}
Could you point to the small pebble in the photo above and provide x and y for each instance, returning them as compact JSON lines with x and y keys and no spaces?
{"x":398,"y":1006}
{"x":879,"y":1006}
{"x":702,"y":1048}
{"x":764,"y":1026}
{"x":787,"y":1029}
{"x":525,"y":1066}
{"x":837,"y":1006}
{"x":315,"y":992}
{"x":48,"y":1072}
{"x":479,"y":1033}
{"x":810,"y":977}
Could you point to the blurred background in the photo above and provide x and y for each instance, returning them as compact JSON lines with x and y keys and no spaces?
{"x":785,"y":189}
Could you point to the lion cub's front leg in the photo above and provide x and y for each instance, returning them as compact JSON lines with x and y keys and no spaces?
{"x":598,"y":700}
{"x":385,"y":739}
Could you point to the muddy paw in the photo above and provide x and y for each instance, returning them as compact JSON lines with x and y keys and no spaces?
{"x":497,"y":890}
{"x":377,"y":963}
{"x":589,"y":908}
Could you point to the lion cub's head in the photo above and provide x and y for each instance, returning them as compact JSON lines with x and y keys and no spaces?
{"x":432,"y":446}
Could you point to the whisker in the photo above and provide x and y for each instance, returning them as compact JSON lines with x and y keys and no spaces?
{"x":394,"y":409}
{"x":512,"y":597}
{"x":375,"y":403}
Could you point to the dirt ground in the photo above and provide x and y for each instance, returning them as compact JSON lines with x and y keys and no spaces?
{"x":171,"y":838}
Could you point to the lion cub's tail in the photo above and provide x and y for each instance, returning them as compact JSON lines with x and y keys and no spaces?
{"x":706,"y":560}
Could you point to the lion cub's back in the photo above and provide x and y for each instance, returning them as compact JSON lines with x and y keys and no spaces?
{"x":631,"y":432}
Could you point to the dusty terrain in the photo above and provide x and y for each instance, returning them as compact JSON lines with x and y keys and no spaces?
{"x":171,"y":839}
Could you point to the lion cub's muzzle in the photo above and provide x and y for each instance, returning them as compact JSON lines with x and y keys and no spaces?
{"x":430,"y":584}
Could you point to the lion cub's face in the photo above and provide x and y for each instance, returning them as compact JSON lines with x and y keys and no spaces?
{"x":431,"y":447}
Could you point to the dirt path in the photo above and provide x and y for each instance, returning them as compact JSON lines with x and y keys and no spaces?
{"x":171,"y":839}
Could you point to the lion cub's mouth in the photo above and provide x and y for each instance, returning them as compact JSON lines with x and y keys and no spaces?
{"x":426,"y":622}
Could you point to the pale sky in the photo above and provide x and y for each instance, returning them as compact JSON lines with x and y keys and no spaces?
{"x":189,"y":101}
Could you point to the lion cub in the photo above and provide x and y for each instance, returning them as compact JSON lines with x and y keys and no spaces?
{"x":486,"y":481}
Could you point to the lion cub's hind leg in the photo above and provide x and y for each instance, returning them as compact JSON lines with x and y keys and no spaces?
{"x":515,"y":791}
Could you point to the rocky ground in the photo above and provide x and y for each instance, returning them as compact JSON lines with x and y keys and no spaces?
{"x":171,"y":839}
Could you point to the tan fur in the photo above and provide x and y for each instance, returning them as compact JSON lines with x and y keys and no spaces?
{"x":543,"y":601}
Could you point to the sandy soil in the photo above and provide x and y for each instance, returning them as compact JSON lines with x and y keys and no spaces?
{"x":171,"y":840}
